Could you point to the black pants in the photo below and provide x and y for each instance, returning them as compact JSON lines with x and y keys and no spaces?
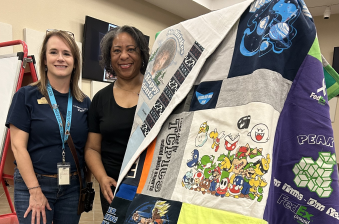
{"x":104,"y":203}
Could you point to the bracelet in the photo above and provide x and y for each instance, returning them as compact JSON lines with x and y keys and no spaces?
{"x":30,"y":188}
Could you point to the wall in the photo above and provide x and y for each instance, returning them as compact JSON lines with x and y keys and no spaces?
{"x":70,"y":15}
{"x":328,"y":35}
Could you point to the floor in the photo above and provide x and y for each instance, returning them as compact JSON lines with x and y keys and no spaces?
{"x":92,"y":217}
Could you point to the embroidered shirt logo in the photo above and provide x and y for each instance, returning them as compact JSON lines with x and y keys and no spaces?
{"x":203,"y":99}
{"x":80,"y":109}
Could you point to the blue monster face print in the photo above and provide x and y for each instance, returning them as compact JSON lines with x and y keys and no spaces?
{"x":195,"y":159}
{"x":270,"y":28}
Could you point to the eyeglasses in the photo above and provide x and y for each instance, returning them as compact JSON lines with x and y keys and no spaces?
{"x":55,"y":30}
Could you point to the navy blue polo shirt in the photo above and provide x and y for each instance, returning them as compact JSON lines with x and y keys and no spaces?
{"x":38,"y":120}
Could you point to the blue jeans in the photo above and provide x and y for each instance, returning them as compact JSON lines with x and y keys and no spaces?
{"x":62,"y":199}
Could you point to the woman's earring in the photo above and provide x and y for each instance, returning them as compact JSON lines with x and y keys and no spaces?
{"x":143,"y":64}
{"x":46,"y":68}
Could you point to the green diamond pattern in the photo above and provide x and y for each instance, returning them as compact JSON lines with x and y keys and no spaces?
{"x":315,"y":175}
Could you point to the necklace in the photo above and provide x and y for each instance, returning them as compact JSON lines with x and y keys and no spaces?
{"x":125,"y":89}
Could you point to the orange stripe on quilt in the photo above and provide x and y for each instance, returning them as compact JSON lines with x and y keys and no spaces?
{"x":147,"y":166}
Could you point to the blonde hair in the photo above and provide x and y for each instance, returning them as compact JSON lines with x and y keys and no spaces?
{"x":69,"y":40}
{"x":162,"y":207}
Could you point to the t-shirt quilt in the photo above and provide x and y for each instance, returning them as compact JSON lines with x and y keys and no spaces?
{"x":232,"y":123}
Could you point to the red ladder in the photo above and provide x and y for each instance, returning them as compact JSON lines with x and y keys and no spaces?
{"x":11,"y":218}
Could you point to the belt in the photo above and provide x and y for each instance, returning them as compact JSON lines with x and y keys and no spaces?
{"x":56,"y":175}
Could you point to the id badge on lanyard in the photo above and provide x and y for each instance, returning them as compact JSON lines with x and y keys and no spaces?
{"x":64,"y":168}
{"x":64,"y":171}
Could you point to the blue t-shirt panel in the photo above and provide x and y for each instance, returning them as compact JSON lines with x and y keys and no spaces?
{"x":38,"y":120}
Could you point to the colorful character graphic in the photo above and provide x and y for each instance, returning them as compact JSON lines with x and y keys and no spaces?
{"x":270,"y":28}
{"x":159,"y":211}
{"x":259,"y":133}
{"x":231,"y":143}
{"x":163,"y":57}
{"x":214,"y":180}
{"x":203,"y":128}
{"x":244,"y":122}
{"x":237,"y":165}
{"x":202,"y":135}
{"x":195,"y":159}
{"x":235,"y":186}
{"x":204,"y":185}
{"x":252,"y":154}
{"x":248,"y":173}
{"x":206,"y":165}
{"x":225,"y":162}
{"x":222,"y":187}
{"x":216,"y":139}
{"x":257,"y":183}
{"x":197,"y":178}
{"x":262,"y":166}
{"x":187,"y":180}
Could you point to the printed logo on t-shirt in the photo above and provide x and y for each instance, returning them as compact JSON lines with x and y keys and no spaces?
{"x":302,"y":215}
{"x":322,"y":91}
{"x":203,"y":98}
{"x":316,"y":174}
{"x":80,"y":109}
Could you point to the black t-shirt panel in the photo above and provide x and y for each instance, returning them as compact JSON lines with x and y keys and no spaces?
{"x":114,"y":123}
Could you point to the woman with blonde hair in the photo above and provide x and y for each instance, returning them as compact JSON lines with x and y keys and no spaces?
{"x":46,"y":184}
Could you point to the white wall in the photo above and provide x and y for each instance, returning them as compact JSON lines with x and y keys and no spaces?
{"x":41,"y":15}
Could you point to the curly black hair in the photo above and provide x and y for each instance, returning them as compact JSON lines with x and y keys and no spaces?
{"x":107,"y":41}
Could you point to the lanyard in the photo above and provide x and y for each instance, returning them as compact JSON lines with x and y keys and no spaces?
{"x":64,"y":136}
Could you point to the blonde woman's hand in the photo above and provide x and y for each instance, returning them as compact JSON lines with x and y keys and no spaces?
{"x":37,"y":204}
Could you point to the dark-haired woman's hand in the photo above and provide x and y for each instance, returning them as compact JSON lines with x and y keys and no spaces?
{"x":105,"y":184}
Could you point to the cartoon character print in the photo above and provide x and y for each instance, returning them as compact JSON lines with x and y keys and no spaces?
{"x":252,"y":154}
{"x":225,"y":162}
{"x":257,"y":182}
{"x":237,"y":165}
{"x":195,"y":159}
{"x":158,"y":214}
{"x":259,"y":133}
{"x":248,"y":173}
{"x":214,"y":180}
{"x":222,"y":187}
{"x":216,"y":139}
{"x":231,"y":142}
{"x":239,"y":174}
{"x":207,"y":165}
{"x":235,"y":186}
{"x":244,"y":122}
{"x":202,"y":135}
{"x":187,"y":180}
{"x":270,"y":28}
{"x":197,"y":178}
{"x":204,"y":185}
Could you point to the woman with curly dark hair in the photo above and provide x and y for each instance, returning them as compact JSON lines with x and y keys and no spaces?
{"x":125,"y":52}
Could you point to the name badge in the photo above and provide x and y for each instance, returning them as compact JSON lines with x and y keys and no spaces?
{"x":43,"y":100}
{"x":64,"y":171}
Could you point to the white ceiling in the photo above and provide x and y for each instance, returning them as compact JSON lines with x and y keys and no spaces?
{"x":188,"y":9}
